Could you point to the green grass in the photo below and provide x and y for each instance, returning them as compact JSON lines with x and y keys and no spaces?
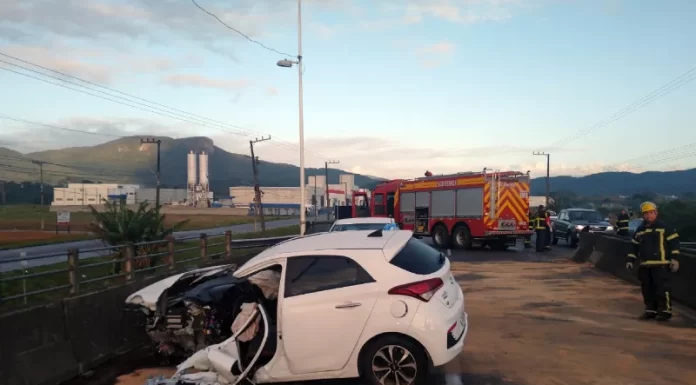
{"x":7,"y":245}
{"x":104,"y":267}
{"x":28,"y":217}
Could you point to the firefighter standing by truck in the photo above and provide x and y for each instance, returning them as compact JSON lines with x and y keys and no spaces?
{"x":622,"y":223}
{"x":541,"y":227}
{"x":655,"y":246}
{"x":528,"y":238}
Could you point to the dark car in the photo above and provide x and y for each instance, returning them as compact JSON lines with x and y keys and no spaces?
{"x":570,"y":222}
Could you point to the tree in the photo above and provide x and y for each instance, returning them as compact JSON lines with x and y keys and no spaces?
{"x":116,"y":225}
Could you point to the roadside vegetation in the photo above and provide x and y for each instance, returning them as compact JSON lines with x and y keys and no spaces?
{"x":28,"y":217}
{"x":118,"y":225}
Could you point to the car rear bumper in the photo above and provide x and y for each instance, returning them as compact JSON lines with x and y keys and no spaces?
{"x":433,"y":329}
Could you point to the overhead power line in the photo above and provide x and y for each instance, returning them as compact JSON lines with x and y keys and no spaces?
{"x":240,"y":33}
{"x":666,"y":89}
{"x":51,"y":126}
{"x":138,"y":102}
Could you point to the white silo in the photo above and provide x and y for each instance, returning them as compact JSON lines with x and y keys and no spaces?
{"x":191,"y":178}
{"x":203,"y":169}
{"x":191,"y":169}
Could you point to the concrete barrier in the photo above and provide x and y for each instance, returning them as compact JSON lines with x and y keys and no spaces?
{"x":49,"y":344}
{"x":586,"y":245}
{"x":609,"y":255}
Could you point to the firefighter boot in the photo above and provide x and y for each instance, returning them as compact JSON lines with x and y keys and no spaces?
{"x":648,"y":315}
{"x":663,"y":316}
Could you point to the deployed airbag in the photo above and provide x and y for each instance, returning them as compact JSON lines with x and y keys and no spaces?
{"x":248,"y":311}
{"x":268,"y":281}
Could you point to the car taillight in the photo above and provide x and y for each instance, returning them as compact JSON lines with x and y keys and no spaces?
{"x":422,"y":290}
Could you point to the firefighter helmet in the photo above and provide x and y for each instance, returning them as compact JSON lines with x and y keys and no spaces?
{"x":647,"y":206}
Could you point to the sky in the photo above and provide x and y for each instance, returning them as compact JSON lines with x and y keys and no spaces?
{"x":391,"y":88}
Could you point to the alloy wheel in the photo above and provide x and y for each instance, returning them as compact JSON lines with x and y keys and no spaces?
{"x":394,"y":365}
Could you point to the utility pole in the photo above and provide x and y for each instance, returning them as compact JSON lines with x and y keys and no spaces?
{"x":41,"y":186}
{"x":157,"y":173}
{"x":326,"y":173}
{"x":257,"y":187}
{"x":548,"y":181}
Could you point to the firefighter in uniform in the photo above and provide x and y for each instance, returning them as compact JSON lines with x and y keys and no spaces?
{"x":528,"y":238}
{"x":622,"y":224}
{"x":547,"y":218}
{"x":655,"y":247}
{"x":540,"y":226}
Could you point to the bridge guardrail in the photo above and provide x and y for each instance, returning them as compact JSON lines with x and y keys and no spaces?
{"x":68,"y":274}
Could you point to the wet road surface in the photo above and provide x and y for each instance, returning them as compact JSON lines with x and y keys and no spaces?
{"x":61,"y":248}
{"x":539,"y":319}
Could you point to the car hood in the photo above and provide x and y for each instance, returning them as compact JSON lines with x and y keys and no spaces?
{"x":592,"y":223}
{"x":149,"y":295}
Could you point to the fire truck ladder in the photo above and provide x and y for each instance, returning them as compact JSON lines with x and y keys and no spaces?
{"x":495,"y":194}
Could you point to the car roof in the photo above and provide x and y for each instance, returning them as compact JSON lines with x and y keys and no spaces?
{"x":581,"y":209}
{"x":351,"y":221}
{"x":390,"y":242}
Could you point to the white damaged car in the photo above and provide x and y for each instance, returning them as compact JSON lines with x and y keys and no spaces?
{"x":380,"y":305}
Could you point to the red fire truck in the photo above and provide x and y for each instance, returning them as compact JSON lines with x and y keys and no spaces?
{"x":461,"y":210}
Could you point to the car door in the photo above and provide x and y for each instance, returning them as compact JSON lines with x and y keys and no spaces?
{"x":327,"y":301}
{"x":562,"y":223}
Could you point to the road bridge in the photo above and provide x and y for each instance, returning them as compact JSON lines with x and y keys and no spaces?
{"x":540,"y":319}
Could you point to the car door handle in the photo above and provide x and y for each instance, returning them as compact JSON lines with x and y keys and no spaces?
{"x":348,"y":305}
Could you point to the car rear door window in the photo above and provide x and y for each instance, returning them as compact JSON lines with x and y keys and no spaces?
{"x":305,"y":275}
{"x":418,"y":258}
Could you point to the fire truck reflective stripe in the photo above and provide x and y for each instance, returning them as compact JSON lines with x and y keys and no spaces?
{"x":431,"y":184}
{"x":510,"y":204}
{"x":513,"y":199}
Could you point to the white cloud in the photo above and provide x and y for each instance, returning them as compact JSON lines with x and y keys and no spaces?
{"x":436,"y":54}
{"x":272,"y":91}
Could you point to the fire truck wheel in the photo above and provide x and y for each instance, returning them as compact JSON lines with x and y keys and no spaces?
{"x":462,"y":237}
{"x":441,"y":237}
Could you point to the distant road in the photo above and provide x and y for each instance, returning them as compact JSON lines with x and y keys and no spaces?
{"x":95,"y":244}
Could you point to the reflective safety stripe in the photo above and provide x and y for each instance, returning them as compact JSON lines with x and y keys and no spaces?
{"x":654,"y":263}
{"x":675,"y":252}
{"x":633,"y":256}
{"x":673,"y":236}
{"x":668,"y":302}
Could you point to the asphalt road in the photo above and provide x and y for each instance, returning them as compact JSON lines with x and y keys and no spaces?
{"x":536,"y":318}
{"x":57,"y":252}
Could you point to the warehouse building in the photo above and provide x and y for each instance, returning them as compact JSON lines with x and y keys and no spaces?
{"x":286,"y":200}
{"x":85,"y":194}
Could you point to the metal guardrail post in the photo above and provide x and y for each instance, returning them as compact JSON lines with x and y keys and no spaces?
{"x":128,"y":261}
{"x":170,"y":253}
{"x":73,"y":274}
{"x":204,"y":247}
{"x":228,"y":245}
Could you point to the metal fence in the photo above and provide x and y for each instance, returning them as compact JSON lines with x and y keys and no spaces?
{"x":74,"y":271}
{"x":118,"y":264}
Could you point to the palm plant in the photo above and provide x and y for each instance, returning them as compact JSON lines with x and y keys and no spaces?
{"x":117,"y":224}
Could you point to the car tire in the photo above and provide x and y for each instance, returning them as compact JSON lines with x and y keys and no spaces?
{"x":441,"y":238}
{"x":462,"y":237}
{"x":414,"y":366}
{"x":572,"y":240}
{"x":554,"y":240}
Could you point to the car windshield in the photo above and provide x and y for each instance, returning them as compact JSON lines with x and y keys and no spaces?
{"x":359,"y":226}
{"x":589,"y":216}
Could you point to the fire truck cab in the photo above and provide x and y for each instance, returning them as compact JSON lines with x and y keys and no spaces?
{"x":486,"y":208}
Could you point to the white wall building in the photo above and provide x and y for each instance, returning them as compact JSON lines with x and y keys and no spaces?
{"x":339,"y":194}
{"x":83,"y":194}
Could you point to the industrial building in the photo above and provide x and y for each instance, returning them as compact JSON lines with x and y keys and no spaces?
{"x":84,"y":194}
{"x":286,"y":200}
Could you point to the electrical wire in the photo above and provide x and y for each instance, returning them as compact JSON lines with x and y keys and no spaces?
{"x":664,"y":90}
{"x":144,"y":104}
{"x":50,"y":126}
{"x":239,"y":32}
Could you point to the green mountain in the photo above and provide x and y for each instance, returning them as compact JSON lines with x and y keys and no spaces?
{"x":126,"y":160}
{"x":621,"y":183}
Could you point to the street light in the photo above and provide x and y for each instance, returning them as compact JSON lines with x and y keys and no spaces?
{"x":286,"y":63}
